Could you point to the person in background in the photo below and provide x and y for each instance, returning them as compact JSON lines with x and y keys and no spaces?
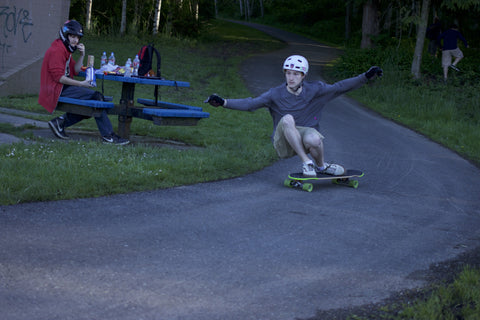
{"x":296,"y":107}
{"x":451,"y":50}
{"x":56,"y":80}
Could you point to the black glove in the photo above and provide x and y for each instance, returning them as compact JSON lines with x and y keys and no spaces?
{"x":215,"y":100}
{"x":374,"y":71}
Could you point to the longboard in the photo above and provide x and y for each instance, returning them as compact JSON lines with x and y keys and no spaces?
{"x":299,"y":181}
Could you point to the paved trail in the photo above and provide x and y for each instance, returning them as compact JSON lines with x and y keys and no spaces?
{"x":249,"y":248}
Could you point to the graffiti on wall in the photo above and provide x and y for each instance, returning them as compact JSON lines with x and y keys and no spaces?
{"x":15,"y":24}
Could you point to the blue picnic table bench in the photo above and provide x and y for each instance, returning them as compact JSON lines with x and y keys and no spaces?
{"x":159,"y":112}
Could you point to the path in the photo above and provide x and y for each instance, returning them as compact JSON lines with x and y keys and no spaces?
{"x":249,"y":248}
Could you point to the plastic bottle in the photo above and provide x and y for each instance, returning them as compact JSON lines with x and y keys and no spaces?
{"x":111,"y":59}
{"x":103,"y":60}
{"x":90,"y":72}
{"x":128,"y":68}
{"x":136,"y":64}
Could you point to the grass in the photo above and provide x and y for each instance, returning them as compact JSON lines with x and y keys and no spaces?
{"x":459,"y":300}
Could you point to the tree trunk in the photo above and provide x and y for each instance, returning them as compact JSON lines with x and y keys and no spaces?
{"x":156,"y":17}
{"x":348,"y":14}
{"x":370,"y":23}
{"x":195,"y":10}
{"x":387,"y":26}
{"x":247,"y":10}
{"x":421,"y":30}
{"x":123,"y":25}
{"x":88,"y":15}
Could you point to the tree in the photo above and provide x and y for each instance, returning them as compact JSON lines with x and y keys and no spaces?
{"x":240,"y":2}
{"x":247,"y":10}
{"x":348,"y":14}
{"x":421,"y":30}
{"x":88,"y":15}
{"x":370,"y":23}
{"x":123,"y":25}
{"x":156,"y":17}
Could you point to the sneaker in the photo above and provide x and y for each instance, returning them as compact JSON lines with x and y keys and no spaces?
{"x":309,"y":169}
{"x":454,"y":67}
{"x":114,"y":139}
{"x":58,"y":129}
{"x":331,"y":169}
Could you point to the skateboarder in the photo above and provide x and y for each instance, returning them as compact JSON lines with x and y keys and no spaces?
{"x":296,"y":108}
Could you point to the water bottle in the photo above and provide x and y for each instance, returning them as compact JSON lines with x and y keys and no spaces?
{"x":136,"y":64}
{"x":90,"y":72}
{"x":111,"y":59}
{"x":103,"y":60}
{"x":128,"y":68}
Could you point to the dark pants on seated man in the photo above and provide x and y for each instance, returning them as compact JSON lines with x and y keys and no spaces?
{"x":103,"y":122}
{"x":104,"y":125}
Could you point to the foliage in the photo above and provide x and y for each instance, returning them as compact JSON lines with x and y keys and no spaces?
{"x":322,"y":20}
{"x":177,"y":18}
{"x":461,"y":4}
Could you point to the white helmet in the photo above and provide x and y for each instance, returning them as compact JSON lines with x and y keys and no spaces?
{"x":296,"y":63}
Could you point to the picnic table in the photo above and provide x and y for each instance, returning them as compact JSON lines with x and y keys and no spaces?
{"x":160,"y":112}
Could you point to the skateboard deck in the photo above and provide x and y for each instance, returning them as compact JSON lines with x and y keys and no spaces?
{"x":298,"y":180}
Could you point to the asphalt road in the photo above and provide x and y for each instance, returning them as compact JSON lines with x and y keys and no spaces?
{"x":249,"y":248}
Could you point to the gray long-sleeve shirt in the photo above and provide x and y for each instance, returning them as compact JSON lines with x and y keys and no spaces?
{"x":305,"y":108}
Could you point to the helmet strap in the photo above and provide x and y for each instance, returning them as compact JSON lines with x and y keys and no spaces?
{"x":66,"y":42}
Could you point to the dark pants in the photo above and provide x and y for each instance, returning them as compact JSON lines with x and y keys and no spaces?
{"x":103,"y":122}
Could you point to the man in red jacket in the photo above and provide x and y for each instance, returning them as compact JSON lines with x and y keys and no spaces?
{"x":58,"y":70}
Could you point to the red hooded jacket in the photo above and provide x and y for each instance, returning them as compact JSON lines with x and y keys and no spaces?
{"x":57,"y":62}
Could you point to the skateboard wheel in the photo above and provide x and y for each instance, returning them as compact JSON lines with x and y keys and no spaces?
{"x":307,"y":187}
{"x":287,"y":183}
{"x":353,"y":184}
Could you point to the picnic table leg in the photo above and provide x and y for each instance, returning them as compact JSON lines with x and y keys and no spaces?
{"x":124,"y":123}
{"x":125,"y":116}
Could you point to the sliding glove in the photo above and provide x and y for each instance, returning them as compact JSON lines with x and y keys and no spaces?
{"x":215,"y":100}
{"x":374,"y":71}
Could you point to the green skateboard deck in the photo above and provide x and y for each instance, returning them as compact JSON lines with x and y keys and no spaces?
{"x":299,"y":181}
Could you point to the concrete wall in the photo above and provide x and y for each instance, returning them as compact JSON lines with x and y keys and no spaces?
{"x":27,"y":28}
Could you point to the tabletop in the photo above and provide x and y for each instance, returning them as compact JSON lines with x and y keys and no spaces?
{"x":139,"y":80}
{"x":143,"y":80}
